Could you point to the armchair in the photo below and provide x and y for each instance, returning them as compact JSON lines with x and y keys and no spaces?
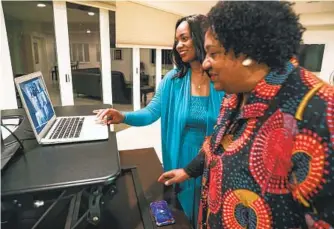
{"x":121,"y":93}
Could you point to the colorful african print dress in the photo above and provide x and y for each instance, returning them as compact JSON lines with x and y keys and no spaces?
{"x":272,"y":161}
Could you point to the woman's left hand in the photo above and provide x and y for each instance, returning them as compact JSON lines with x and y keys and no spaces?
{"x":309,"y":222}
{"x":173,"y":177}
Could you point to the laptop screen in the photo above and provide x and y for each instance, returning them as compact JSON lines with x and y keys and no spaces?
{"x":37,"y":101}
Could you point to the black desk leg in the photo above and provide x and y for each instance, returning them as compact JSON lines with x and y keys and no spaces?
{"x":92,"y":215}
{"x":73,"y":211}
{"x":81,"y":221}
{"x":94,"y":205}
{"x":69,"y":218}
{"x":77,"y":207}
{"x":48,"y":210}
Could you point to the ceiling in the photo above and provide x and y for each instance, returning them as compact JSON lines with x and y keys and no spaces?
{"x":27,"y":10}
{"x":304,"y":7}
{"x":184,"y":8}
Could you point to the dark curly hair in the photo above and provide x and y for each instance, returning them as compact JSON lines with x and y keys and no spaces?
{"x":198,"y":25}
{"x":268,"y":32}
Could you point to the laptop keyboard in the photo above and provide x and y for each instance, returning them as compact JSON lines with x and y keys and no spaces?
{"x":68,"y":128}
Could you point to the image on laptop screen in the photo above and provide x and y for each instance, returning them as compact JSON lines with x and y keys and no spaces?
{"x":38,"y":102}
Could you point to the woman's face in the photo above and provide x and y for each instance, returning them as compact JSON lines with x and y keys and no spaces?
{"x":226,"y":70}
{"x":184,"y":43}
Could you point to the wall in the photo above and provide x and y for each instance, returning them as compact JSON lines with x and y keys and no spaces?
{"x":124,"y":65}
{"x":323,"y":36}
{"x":21,"y":51}
{"x":145,"y":57}
{"x":15,"y":37}
{"x":317,"y":19}
{"x":146,"y":25}
{"x":20,"y":34}
{"x":30,"y":30}
{"x":92,"y":39}
{"x":51,"y":50}
{"x":320,"y":30}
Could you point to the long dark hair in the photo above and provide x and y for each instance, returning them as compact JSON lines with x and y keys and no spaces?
{"x":198,"y":25}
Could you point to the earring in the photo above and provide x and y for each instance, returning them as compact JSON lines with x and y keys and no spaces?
{"x":247,"y":62}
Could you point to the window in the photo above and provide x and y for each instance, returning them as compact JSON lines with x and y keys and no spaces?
{"x":79,"y":52}
{"x":117,"y":54}
{"x":310,"y":56}
{"x":166,"y":56}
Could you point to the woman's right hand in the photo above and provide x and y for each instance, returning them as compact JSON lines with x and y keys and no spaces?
{"x":173,"y":176}
{"x":109,"y":116}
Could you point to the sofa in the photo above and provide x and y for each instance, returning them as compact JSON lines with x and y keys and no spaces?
{"x":88,"y":82}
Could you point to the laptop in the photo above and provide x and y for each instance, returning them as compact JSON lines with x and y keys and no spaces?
{"x":48,"y":128}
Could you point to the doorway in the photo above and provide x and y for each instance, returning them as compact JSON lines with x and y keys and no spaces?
{"x":40,"y":57}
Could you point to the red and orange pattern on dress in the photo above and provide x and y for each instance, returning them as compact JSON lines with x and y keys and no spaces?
{"x":271,"y":162}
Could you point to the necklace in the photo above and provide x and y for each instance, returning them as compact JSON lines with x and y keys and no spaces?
{"x":199,"y":85}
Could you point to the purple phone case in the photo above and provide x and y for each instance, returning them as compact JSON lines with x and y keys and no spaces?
{"x":162,"y":214}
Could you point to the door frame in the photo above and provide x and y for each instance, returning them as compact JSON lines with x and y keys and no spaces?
{"x":105,"y":57}
{"x":63,"y":52}
{"x":136,"y":78}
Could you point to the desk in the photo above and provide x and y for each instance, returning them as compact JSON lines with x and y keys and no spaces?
{"x":59,"y":166}
{"x":121,"y":211}
{"x":144,"y":90}
{"x":152,"y":189}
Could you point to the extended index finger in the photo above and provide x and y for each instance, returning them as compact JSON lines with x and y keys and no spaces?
{"x":97,"y":111}
{"x":165,"y":176}
{"x":102,"y":113}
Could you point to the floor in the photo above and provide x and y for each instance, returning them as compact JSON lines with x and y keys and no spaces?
{"x":53,"y":89}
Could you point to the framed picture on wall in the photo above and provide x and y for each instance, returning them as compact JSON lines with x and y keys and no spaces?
{"x":118,"y":54}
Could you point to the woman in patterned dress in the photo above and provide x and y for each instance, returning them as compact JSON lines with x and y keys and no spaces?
{"x":269,"y":162}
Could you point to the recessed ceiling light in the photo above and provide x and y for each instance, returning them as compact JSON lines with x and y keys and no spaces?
{"x":88,"y":31}
{"x":91,"y":13}
{"x":41,"y":5}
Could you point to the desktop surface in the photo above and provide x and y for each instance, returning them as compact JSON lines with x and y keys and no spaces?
{"x":59,"y":166}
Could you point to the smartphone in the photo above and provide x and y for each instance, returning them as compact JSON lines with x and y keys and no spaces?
{"x":161,"y":212}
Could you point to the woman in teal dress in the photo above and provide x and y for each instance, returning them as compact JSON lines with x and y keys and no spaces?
{"x":187,"y":104}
